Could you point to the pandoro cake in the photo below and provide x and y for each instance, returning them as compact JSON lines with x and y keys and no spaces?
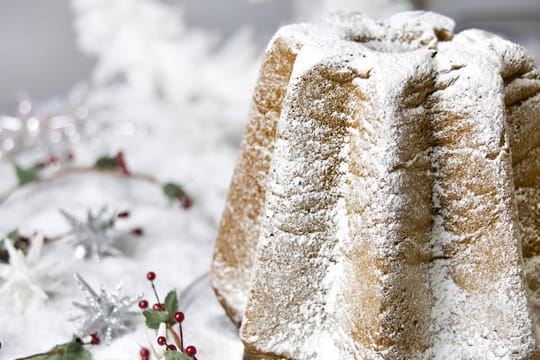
{"x":386,"y":201}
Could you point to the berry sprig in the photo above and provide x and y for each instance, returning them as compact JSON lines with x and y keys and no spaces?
{"x":55,"y":160}
{"x":27,"y":175}
{"x":115,"y":165}
{"x":176,"y":193}
{"x":169,"y":314}
{"x":116,"y":162}
{"x":75,"y":349}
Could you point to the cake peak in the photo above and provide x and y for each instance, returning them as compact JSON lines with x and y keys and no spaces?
{"x":401,"y":32}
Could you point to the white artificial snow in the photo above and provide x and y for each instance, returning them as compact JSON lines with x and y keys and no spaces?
{"x":177,"y":244}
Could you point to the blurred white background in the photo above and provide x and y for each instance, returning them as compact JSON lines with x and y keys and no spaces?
{"x":39,"y":56}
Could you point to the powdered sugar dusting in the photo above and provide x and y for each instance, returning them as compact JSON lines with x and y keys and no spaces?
{"x":458,"y":327}
{"x":390,"y":227}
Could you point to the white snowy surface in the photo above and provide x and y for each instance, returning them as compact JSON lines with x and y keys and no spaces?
{"x":182,"y":145}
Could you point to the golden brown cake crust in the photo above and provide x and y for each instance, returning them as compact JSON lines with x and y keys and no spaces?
{"x":239,"y":230}
{"x":382,"y":216}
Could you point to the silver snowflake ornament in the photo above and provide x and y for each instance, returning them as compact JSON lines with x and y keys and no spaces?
{"x":104,"y":314}
{"x":94,"y":237}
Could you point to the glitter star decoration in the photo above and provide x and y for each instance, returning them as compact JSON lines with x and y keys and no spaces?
{"x":94,"y":237}
{"x":103,"y":314}
{"x":27,"y":277}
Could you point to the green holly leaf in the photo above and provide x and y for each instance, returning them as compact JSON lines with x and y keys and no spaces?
{"x":176,"y":355}
{"x":68,"y":351}
{"x":171,"y":305}
{"x":154,"y":318}
{"x":13,"y":235}
{"x":172,"y":190}
{"x":4,"y":255}
{"x":107,"y":162}
{"x":26,"y":175}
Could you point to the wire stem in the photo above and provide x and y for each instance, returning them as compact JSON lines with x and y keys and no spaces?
{"x":178,"y":339}
{"x":79,"y":170}
{"x":48,"y":353}
{"x":155,"y":292}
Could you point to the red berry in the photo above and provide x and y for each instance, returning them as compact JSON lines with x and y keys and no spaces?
{"x":22,"y":243}
{"x":179,"y":316}
{"x":145,"y":354}
{"x":122,"y":163}
{"x":187,"y":202}
{"x":122,"y":214}
{"x":143,"y":304}
{"x":161,"y":340}
{"x":137,"y":231}
{"x":171,"y":347}
{"x":157,"y":307}
{"x":95,"y":340}
{"x":151,"y":275}
{"x":191,"y":350}
{"x":70,"y":156}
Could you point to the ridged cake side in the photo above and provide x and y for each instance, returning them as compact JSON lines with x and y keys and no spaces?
{"x":239,"y":229}
{"x":481,"y":308}
{"x":338,"y":209}
{"x":522,"y":99}
{"x":404,"y":168}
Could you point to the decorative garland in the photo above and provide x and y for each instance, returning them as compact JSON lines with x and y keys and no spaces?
{"x":105,"y":165}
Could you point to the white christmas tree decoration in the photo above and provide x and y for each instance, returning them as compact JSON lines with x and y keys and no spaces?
{"x":146,"y":43}
{"x":27,"y":277}
{"x":312,"y":9}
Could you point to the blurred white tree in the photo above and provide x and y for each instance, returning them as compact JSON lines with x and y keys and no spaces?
{"x":146,"y":44}
{"x":309,"y":9}
{"x":147,"y":56}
